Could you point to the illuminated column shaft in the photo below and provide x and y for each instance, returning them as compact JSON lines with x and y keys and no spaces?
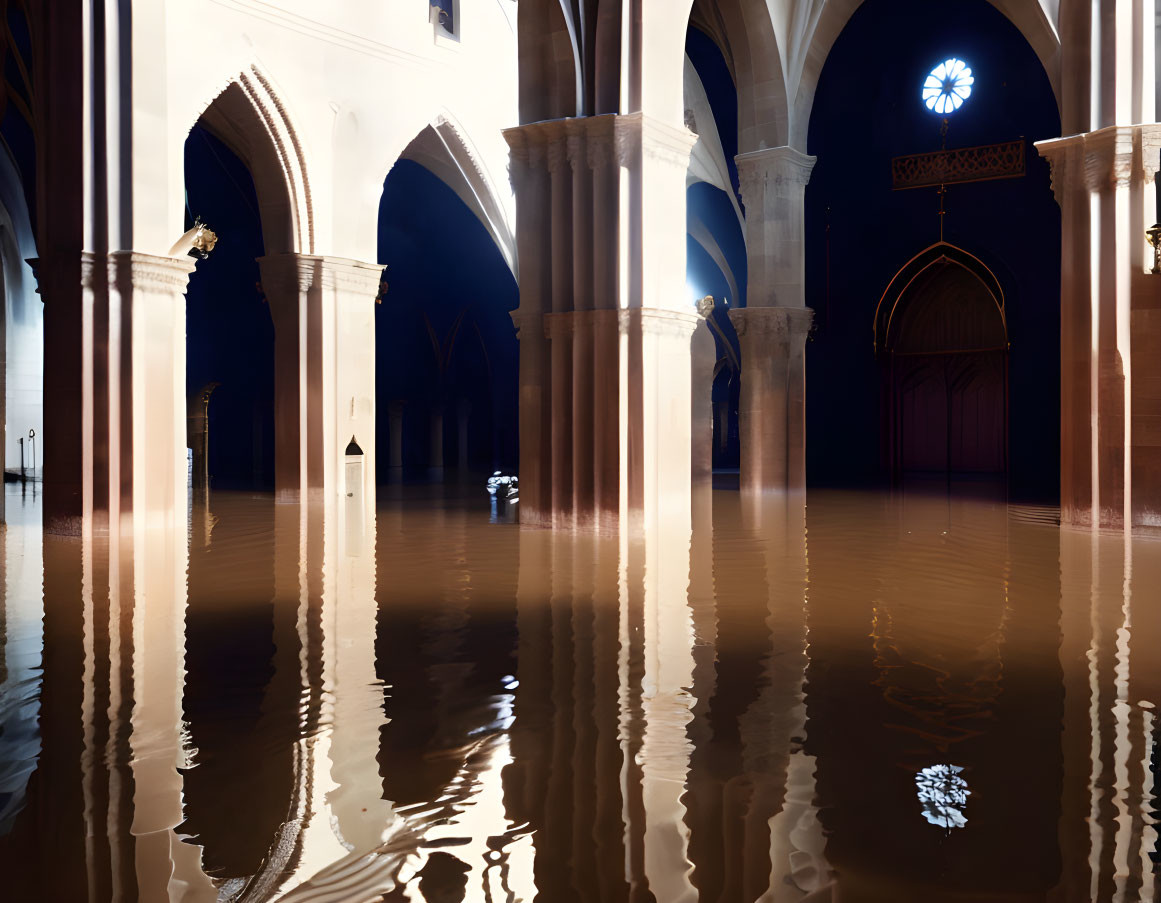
{"x":120,"y":403}
{"x":118,"y":410}
{"x":772,"y":407}
{"x":773,"y":184}
{"x":1110,"y":458}
{"x":1110,"y":331}
{"x":324,"y":379}
{"x":148,"y":551}
{"x":604,"y":325}
{"x":703,"y":357}
{"x":772,"y":328}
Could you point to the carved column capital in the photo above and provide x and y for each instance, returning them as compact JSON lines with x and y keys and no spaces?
{"x":1106,"y":159}
{"x":130,"y":270}
{"x":773,"y":166}
{"x":351,"y":276}
{"x":773,"y":325}
{"x":287,"y":272}
{"x":657,"y":321}
{"x":88,"y":270}
{"x":599,"y":140}
{"x":524,"y":321}
{"x":556,"y":152}
{"x":526,"y":151}
{"x":302,"y":272}
{"x":636,"y":135}
{"x":559,"y":325}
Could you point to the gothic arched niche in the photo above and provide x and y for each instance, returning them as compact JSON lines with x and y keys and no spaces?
{"x":941,"y":333}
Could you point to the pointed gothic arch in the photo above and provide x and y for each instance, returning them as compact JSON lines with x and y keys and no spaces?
{"x":444,"y":148}
{"x":942,"y":338}
{"x":250,"y":117}
{"x":909,"y":279}
{"x":1032,"y":18}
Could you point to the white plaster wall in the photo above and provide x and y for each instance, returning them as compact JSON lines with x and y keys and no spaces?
{"x":357,"y":80}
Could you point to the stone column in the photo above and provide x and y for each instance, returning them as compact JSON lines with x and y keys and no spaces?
{"x":435,"y":443}
{"x":3,"y":400}
{"x":198,"y":437}
{"x":722,"y":418}
{"x":324,"y":381}
{"x":1110,"y":435}
{"x":530,"y":183}
{"x":604,"y":325}
{"x":771,"y":411}
{"x":115,"y":408}
{"x":772,"y":405}
{"x":773,"y":184}
{"x":395,"y":415}
{"x":463,"y":411}
{"x":703,"y":357}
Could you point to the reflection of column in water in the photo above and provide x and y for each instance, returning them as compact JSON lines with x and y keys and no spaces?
{"x":241,"y":696}
{"x":720,"y":789}
{"x":21,"y":646}
{"x":1122,"y":741}
{"x":151,"y":607}
{"x":59,"y":796}
{"x":666,"y":707}
{"x":608,"y":830}
{"x":107,"y":788}
{"x":1079,"y":674}
{"x":362,"y":817}
{"x":796,"y":844}
{"x":1121,"y":801}
{"x":447,"y":673}
{"x":319,"y":844}
{"x":557,"y":828}
{"x":581,"y":768}
{"x":349,"y":808}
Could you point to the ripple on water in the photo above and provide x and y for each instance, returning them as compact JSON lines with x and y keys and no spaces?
{"x":909,"y":697}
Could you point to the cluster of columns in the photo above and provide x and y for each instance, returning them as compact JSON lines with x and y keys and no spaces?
{"x":1110,"y":411}
{"x":1110,"y":318}
{"x":604,"y":328}
{"x":605,"y":331}
{"x":116,"y":407}
{"x":324,"y":372}
{"x":773,"y":326}
{"x":117,"y":748}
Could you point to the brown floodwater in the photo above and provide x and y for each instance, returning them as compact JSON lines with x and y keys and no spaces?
{"x":913,"y":697}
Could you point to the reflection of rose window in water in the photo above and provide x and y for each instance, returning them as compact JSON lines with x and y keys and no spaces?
{"x":943,"y":795}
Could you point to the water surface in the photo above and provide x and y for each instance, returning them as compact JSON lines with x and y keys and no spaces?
{"x":886,"y":698}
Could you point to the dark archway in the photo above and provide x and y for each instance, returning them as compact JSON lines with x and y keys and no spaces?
{"x":242,"y":692}
{"x":446,"y":368}
{"x":229,"y":331}
{"x":943,"y":343}
{"x":859,"y":230}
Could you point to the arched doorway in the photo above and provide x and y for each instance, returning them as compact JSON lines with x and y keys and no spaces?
{"x":942,"y":337}
{"x":446,"y":374}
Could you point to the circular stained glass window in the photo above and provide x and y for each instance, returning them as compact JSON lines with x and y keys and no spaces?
{"x":948,"y":86}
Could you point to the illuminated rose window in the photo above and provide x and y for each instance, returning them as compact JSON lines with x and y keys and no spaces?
{"x":948,"y":86}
